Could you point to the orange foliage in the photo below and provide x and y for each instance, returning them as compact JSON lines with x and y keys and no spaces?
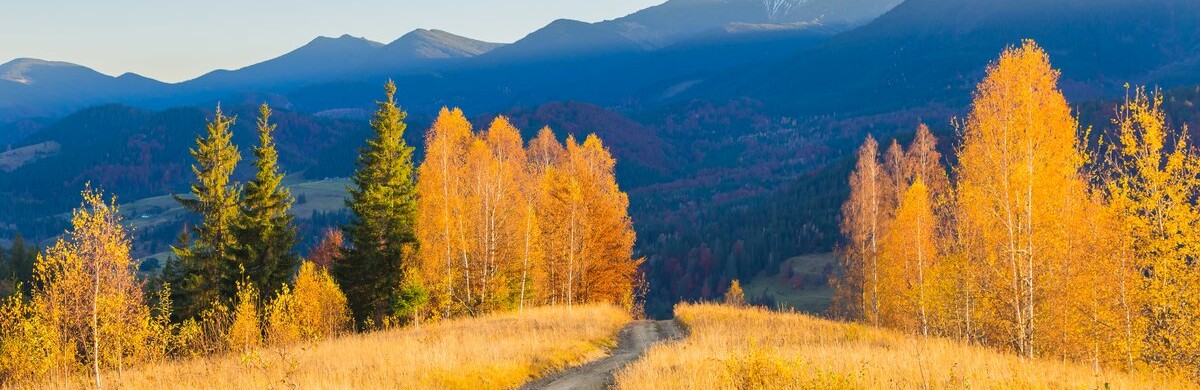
{"x":1020,"y":251}
{"x":329,"y":250}
{"x":505,"y":226}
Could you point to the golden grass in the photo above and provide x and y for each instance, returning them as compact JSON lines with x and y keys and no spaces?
{"x":492,"y":352}
{"x":731,"y":348}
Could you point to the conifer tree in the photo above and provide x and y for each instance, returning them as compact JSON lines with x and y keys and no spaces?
{"x":266,"y":232}
{"x":21,"y":259}
{"x":208,"y":268}
{"x":382,"y":243}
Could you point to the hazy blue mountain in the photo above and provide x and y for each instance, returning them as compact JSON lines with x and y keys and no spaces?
{"x":323,"y":57}
{"x":422,"y":44}
{"x":933,"y":52}
{"x":675,"y":21}
{"x":31,"y":87}
{"x":752,"y":29}
{"x":631,"y":79}
{"x":326,"y":59}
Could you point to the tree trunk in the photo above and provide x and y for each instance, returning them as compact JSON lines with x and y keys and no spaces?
{"x":95,"y":325}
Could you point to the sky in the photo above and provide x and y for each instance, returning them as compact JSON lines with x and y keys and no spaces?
{"x":177,"y":40}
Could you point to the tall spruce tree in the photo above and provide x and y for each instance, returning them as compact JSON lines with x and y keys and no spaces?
{"x":21,"y":259}
{"x":208,"y":266}
{"x":382,"y":242}
{"x":266,"y":233}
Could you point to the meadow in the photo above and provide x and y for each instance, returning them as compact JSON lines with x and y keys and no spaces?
{"x":753,"y":348}
{"x":496,"y":351}
{"x":801,"y":285}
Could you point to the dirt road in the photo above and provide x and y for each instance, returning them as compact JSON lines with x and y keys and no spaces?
{"x":632,"y":342}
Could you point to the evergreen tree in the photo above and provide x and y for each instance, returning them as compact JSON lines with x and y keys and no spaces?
{"x":20,"y":262}
{"x":382,"y":243}
{"x":208,"y":264}
{"x":266,"y":233}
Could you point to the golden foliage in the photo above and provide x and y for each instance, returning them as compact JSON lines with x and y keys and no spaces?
{"x":1018,"y":181}
{"x":1154,"y":176}
{"x":85,"y":288}
{"x":312,"y":310}
{"x":734,"y":296}
{"x":245,"y":334}
{"x":907,"y":263}
{"x":752,"y":348}
{"x":1021,"y":252}
{"x":30,"y":347}
{"x":504,"y":226}
{"x":864,"y":217}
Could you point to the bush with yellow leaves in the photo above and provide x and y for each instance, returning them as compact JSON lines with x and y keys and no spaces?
{"x":245,"y":334}
{"x":734,"y":296}
{"x":313,"y":309}
{"x":30,"y":347}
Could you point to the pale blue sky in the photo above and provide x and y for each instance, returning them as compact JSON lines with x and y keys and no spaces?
{"x":176,"y":40}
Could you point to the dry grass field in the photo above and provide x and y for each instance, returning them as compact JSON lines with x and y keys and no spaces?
{"x":732,"y":348}
{"x":493,"y":352}
{"x":10,"y":160}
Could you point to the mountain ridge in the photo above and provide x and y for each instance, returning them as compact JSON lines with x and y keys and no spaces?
{"x":934,"y":51}
{"x":434,"y":52}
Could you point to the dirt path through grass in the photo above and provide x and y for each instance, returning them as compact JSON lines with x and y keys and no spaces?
{"x":633,"y":341}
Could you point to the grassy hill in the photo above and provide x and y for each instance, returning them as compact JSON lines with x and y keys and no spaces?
{"x":155,"y":221}
{"x":311,"y":196}
{"x":801,"y":285}
{"x":496,"y":351}
{"x":752,"y":348}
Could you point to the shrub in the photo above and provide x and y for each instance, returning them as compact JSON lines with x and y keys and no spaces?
{"x":282,"y":325}
{"x":734,"y":295}
{"x":30,"y":346}
{"x":245,"y":333}
{"x":313,"y":309}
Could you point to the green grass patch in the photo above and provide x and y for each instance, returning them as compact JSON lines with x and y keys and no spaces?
{"x":802,"y":284}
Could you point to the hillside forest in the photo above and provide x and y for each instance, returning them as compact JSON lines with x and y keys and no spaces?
{"x":1041,"y":237}
{"x":489,"y":222}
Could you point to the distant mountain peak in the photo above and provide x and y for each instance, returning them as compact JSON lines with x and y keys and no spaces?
{"x":343,"y":40}
{"x":20,"y":69}
{"x":435,"y":44}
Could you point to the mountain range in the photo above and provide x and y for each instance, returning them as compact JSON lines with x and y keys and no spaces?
{"x":31,"y":88}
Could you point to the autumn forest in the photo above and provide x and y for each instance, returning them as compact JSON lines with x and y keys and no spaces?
{"x":1042,"y":238}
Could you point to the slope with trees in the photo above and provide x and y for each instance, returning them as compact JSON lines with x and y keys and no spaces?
{"x":1048,"y":242}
